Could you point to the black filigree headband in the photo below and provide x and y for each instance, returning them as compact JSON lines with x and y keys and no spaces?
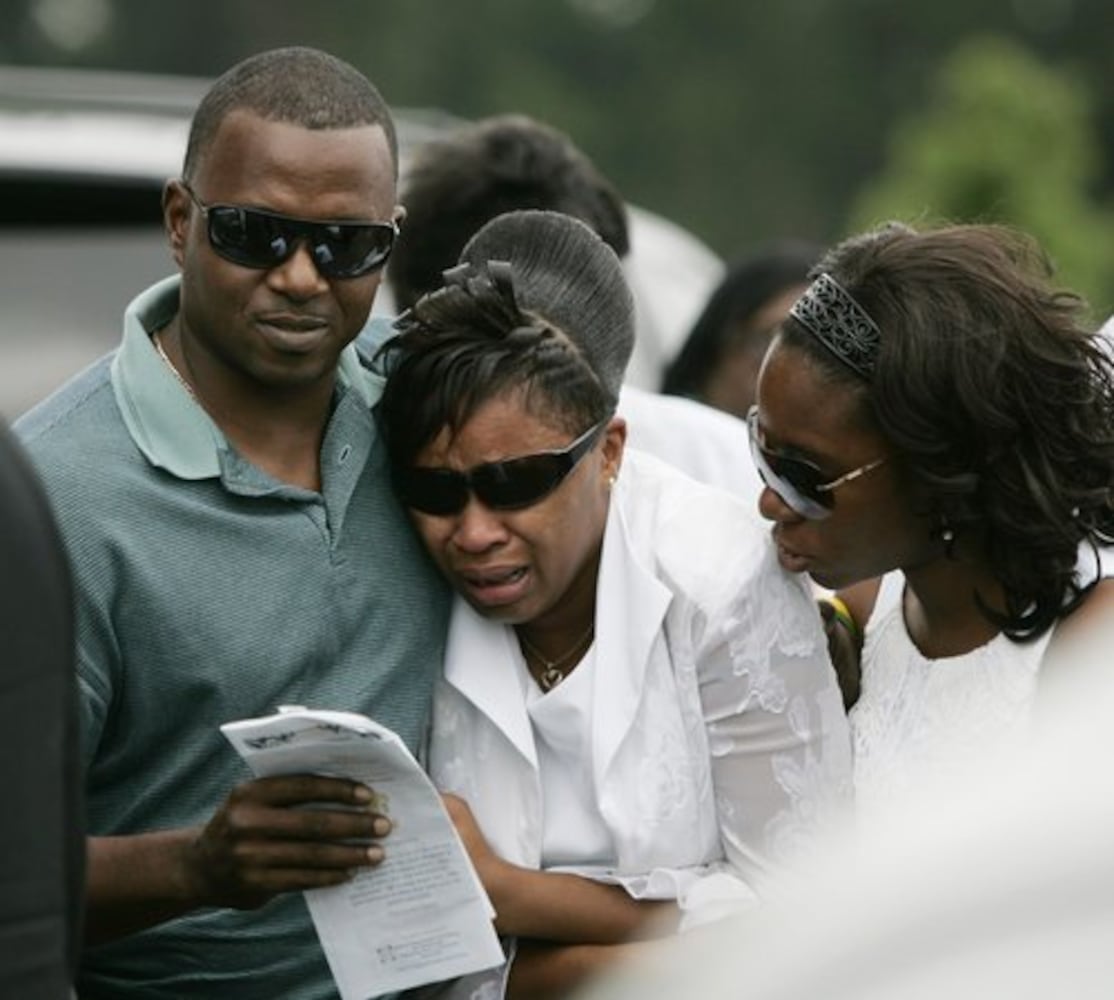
{"x":843,"y":326}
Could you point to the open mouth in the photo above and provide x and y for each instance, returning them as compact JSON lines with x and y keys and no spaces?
{"x":494,"y":578}
{"x":492,"y":588}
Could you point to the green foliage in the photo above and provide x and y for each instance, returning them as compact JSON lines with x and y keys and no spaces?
{"x":1004,"y":138}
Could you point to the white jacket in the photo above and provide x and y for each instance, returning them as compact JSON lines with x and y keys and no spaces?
{"x":718,"y":733}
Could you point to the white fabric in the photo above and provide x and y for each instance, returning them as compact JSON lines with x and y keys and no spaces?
{"x":718,"y":739}
{"x":1106,"y":331}
{"x":997,"y":885}
{"x":574,"y":831}
{"x":917,"y":715}
{"x":919,"y":718}
{"x":672,"y":275}
{"x":707,"y":444}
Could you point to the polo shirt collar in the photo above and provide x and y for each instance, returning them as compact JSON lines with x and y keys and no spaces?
{"x":166,"y":423}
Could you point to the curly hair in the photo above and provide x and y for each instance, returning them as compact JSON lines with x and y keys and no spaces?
{"x":299,"y":85}
{"x":517,"y":318}
{"x":997,"y":398}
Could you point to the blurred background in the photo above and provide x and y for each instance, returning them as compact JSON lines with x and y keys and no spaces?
{"x":743,"y":122}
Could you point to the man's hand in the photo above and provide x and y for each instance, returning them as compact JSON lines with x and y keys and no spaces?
{"x":270,"y":835}
{"x":286,"y":834}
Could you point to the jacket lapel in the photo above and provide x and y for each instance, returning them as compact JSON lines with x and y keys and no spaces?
{"x":631,"y":604}
{"x":482,"y":664}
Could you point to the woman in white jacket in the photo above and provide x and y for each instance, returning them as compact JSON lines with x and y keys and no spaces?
{"x":637,"y":712}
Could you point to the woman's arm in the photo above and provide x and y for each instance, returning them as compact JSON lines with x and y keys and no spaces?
{"x":777,"y":732}
{"x":554,"y":906}
{"x":545,"y":971}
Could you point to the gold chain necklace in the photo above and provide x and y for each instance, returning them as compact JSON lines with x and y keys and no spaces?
{"x":553,"y":671}
{"x":173,"y":367}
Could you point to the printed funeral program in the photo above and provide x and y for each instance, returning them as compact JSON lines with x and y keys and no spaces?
{"x":419,"y":917}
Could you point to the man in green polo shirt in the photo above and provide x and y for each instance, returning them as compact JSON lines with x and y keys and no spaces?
{"x":226,"y":507}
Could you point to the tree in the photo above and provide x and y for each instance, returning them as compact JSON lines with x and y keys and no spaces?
{"x":1004,"y":138}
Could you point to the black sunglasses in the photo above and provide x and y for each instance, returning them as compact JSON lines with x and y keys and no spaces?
{"x":509,"y":485}
{"x":798,"y":482}
{"x":252,"y":237}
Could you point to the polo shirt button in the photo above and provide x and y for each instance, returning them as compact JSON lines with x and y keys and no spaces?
{"x":344,"y":453}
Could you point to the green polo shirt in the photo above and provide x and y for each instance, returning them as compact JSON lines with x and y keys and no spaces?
{"x":209,"y":591}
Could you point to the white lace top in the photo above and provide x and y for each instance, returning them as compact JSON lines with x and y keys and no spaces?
{"x":921,"y":719}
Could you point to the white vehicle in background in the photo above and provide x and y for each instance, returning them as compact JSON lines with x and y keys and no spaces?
{"x":83,"y":157}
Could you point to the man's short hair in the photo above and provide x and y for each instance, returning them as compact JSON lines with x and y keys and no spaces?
{"x":500,"y":164}
{"x":298,"y":85}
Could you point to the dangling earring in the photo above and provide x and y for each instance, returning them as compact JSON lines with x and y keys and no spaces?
{"x":946,"y":533}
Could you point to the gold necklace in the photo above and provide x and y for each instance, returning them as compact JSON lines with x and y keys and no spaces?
{"x":173,"y":367}
{"x":553,"y":671}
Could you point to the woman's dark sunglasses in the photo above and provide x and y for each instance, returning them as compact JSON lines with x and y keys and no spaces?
{"x":798,"y":482}
{"x":252,"y":237}
{"x":510,"y":485}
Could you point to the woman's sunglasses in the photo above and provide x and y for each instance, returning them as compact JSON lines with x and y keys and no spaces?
{"x":254,"y":238}
{"x":510,"y":485}
{"x":798,"y":482}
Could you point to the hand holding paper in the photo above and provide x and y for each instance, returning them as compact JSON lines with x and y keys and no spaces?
{"x":421,"y":916}
{"x":260,"y":843}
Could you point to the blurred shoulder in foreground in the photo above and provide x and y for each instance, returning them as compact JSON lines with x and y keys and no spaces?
{"x":967,"y":895}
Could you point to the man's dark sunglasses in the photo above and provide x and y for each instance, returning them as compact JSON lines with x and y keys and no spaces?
{"x":510,"y":485}
{"x":252,"y":237}
{"x":803,"y":487}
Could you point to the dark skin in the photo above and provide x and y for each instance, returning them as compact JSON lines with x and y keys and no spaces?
{"x":260,"y":347}
{"x":259,"y":351}
{"x":875,"y":526}
{"x":254,"y":847}
{"x":845,"y":649}
{"x":569,"y":928}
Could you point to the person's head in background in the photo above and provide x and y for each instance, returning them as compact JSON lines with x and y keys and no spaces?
{"x":505,"y":163}
{"x":719,"y":360}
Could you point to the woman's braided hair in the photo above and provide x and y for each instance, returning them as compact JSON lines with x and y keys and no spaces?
{"x":548,"y":316}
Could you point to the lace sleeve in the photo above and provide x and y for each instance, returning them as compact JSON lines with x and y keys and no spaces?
{"x":777,"y":735}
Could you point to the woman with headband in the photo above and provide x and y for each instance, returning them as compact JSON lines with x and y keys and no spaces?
{"x":933,"y":414}
{"x":637,"y":715}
